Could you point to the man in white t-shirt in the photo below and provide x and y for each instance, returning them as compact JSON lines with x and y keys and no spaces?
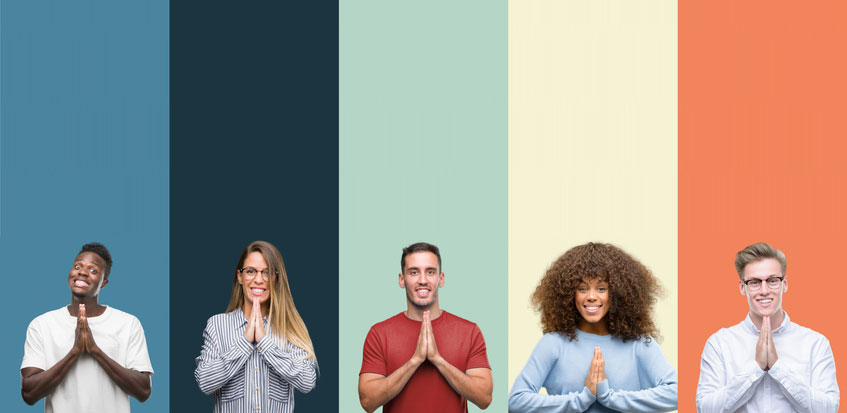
{"x":766,"y":363}
{"x":86,"y":357}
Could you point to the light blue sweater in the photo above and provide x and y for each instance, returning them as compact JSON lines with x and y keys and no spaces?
{"x":638,"y":378}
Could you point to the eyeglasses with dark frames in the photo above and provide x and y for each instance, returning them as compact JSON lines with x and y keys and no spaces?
{"x":755,"y":284}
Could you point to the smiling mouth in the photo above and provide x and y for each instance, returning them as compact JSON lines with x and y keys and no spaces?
{"x":765,"y":301}
{"x":257,"y":291}
{"x":591,"y":309}
{"x":81,"y":283}
{"x":423,"y":292}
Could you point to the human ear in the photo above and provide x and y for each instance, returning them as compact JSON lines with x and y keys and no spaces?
{"x":401,"y":281}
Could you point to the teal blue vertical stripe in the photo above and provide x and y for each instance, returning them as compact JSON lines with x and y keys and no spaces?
{"x":423,"y":157}
{"x":84,"y":157}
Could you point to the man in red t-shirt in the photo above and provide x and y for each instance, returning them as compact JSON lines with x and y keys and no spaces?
{"x":424,"y":359}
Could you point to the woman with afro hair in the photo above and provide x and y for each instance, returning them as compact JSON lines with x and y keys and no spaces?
{"x":598,"y":353}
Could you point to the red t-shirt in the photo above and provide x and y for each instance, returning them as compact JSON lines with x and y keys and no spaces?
{"x":391,"y":343}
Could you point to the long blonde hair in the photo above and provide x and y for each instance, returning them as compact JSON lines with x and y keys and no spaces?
{"x":283,"y":317}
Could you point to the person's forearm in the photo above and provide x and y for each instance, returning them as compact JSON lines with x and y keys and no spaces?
{"x":376,"y":392}
{"x":661,"y":398}
{"x":476,"y":389}
{"x":37,"y":383}
{"x":135,"y":383}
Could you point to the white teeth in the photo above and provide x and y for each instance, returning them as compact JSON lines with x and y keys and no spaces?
{"x":80,"y":283}
{"x":766,"y":301}
{"x":258,"y":291}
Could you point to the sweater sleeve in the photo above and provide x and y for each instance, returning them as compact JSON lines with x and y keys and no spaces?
{"x":658,"y":378}
{"x":525,"y":397}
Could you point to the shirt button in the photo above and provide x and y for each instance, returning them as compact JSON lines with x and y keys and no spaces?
{"x":255,"y":369}
{"x":260,"y":348}
{"x":257,"y":389}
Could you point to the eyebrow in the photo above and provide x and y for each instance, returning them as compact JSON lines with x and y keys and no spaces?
{"x":418,"y":268}
{"x":753,"y":277}
{"x":92,"y":263}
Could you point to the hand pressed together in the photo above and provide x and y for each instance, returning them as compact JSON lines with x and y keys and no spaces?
{"x":255,"y":330}
{"x":766,"y":355}
{"x":83,"y":338}
{"x":596,"y":371}
{"x":426,"y":348}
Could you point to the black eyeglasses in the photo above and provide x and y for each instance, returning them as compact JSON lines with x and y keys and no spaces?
{"x":755,"y":285}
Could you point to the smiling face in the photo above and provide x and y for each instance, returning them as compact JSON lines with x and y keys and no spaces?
{"x":422,"y":278}
{"x":592,"y":303}
{"x":766,"y":301}
{"x":87,"y":275}
{"x":258,"y":286}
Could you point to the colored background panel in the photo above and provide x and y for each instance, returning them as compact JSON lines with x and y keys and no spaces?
{"x":84,"y":157}
{"x":422,"y":158}
{"x":762,"y":98}
{"x":254,"y":146}
{"x":592,"y":147}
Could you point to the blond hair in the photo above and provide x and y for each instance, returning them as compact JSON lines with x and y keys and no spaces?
{"x":757,"y":252}
{"x":283,"y":317}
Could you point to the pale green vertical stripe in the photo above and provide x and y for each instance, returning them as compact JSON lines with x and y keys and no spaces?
{"x":422,"y":154}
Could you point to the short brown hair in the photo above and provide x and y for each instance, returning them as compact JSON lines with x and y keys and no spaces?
{"x":418,"y":247}
{"x":757,"y":252}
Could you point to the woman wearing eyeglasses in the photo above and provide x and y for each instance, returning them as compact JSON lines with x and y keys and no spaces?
{"x":259,"y":351}
{"x":598,"y":353}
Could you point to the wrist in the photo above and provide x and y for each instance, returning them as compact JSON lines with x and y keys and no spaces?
{"x":417,"y":360}
{"x":436,"y":360}
{"x":95,"y":351}
{"x":75,"y":352}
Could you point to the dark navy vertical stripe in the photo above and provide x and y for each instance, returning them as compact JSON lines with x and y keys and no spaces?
{"x":254,"y":155}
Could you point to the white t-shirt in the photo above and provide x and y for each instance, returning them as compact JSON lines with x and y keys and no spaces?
{"x":86,"y":387}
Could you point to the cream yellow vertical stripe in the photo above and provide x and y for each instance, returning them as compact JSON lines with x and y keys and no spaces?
{"x":592,"y":146}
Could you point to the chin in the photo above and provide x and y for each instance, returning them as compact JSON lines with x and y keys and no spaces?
{"x":423,"y":304}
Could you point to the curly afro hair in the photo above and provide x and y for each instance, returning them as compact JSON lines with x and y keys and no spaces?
{"x":633,"y":291}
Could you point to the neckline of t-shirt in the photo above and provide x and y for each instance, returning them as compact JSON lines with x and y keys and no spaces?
{"x":91,"y":320}
{"x":435,"y":321}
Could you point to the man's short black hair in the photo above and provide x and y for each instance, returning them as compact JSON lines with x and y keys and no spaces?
{"x":418,"y":247}
{"x":100,"y":250}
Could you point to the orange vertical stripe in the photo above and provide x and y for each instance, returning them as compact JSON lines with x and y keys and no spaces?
{"x":762,"y":145}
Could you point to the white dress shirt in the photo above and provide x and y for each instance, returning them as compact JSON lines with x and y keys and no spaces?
{"x":801,"y":380}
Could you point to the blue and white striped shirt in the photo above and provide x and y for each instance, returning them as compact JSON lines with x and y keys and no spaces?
{"x":247,"y":377}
